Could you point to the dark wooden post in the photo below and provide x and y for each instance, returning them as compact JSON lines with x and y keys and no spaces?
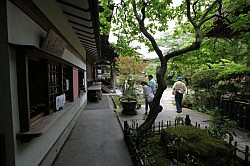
{"x":248,"y":116}
{"x":246,"y":153}
{"x":2,"y":150}
{"x":187,"y":120}
{"x":244,"y":116}
{"x":126,"y":131}
{"x":159,"y":127}
{"x":235,"y":148}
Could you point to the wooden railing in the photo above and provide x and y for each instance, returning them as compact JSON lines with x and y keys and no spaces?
{"x":138,"y":160}
{"x":237,"y":111}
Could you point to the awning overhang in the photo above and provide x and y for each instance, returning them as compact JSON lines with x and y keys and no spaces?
{"x":83,"y":16}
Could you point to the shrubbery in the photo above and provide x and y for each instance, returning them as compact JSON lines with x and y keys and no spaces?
{"x":209,"y":85}
{"x":195,"y":144}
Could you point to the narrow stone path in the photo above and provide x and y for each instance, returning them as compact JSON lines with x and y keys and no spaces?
{"x":96,"y":139}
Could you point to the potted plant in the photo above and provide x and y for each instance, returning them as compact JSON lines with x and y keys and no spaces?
{"x":130,"y":75}
{"x":129,"y":102}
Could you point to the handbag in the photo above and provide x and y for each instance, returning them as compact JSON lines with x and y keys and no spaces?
{"x":174,"y":92}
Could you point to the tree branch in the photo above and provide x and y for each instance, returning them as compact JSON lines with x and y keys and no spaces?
{"x":199,"y":37}
{"x":189,"y":14}
{"x":207,"y":11}
{"x":195,"y":45}
{"x":215,"y":15}
{"x":193,"y":6}
{"x":192,"y":47}
{"x":146,"y":33}
{"x":143,"y":10}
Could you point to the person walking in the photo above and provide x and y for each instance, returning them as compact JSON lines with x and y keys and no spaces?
{"x":179,"y":89}
{"x":152,"y":85}
{"x":148,"y":94}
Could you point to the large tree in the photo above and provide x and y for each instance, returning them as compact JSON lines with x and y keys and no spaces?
{"x":141,"y":19}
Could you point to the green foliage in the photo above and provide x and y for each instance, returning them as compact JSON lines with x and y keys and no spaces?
{"x":220,"y":79}
{"x":212,"y":50}
{"x":229,"y":87}
{"x":179,"y":120}
{"x":104,"y":16}
{"x":195,"y":142}
{"x":204,"y":79}
{"x":152,"y":152}
{"x":131,"y":93}
{"x":189,"y":101}
{"x":193,"y":27}
{"x":236,"y":50}
{"x":152,"y":66}
{"x":221,"y":127}
{"x":125,"y":26}
{"x":116,"y":100}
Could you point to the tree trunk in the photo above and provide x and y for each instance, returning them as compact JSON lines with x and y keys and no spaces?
{"x":155,"y":107}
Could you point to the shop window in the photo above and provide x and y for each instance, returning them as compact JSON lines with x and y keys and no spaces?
{"x":45,"y":85}
{"x":81,"y":82}
{"x":37,"y":88}
{"x":67,"y":78}
{"x":60,"y":86}
{"x":55,"y":86}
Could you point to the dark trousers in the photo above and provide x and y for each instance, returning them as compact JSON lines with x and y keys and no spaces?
{"x":147,"y":104}
{"x":178,"y":101}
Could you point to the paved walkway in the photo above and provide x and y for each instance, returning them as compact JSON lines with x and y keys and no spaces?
{"x":96,"y":139}
{"x":168,"y":113}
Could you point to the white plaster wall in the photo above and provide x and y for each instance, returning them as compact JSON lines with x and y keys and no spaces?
{"x":22,"y":30}
{"x":68,"y":56}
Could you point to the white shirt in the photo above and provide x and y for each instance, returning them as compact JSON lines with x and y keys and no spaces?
{"x":180,"y":87}
{"x":148,"y":93}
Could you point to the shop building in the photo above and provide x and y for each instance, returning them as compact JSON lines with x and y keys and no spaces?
{"x":49,"y":52}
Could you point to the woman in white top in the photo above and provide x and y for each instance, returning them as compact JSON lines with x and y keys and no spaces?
{"x":148,"y":93}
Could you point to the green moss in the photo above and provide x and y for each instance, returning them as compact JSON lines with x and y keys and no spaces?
{"x":153,"y":152}
{"x":183,"y":140}
{"x":172,"y":146}
{"x":117,"y":102}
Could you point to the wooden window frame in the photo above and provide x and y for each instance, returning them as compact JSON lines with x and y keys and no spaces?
{"x":23,"y":55}
{"x":81,"y":82}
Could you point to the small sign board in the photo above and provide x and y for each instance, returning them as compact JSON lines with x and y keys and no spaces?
{"x":54,"y":44}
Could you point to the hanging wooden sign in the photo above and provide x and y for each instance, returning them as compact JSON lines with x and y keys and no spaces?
{"x":54,"y":44}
